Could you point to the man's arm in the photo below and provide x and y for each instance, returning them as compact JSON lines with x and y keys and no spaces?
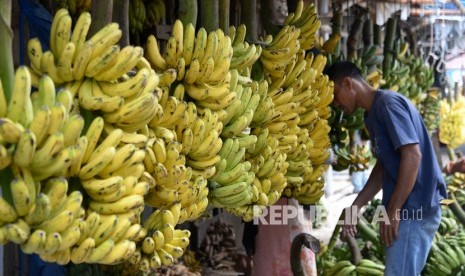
{"x":408,"y":171}
{"x":372,"y":187}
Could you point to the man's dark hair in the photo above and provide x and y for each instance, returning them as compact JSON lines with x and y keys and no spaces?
{"x":341,"y":69}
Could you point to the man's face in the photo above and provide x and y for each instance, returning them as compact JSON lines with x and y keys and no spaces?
{"x":344,"y":95}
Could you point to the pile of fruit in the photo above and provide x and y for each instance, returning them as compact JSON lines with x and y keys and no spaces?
{"x":452,"y":126}
{"x":111,"y":131}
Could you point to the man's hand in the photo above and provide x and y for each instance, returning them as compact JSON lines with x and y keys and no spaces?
{"x":388,"y":232}
{"x":349,"y":228}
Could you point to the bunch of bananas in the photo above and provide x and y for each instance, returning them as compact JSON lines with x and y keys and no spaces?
{"x":75,"y":7}
{"x":369,"y":267}
{"x":231,"y":186}
{"x":174,"y":179}
{"x":109,"y":160}
{"x":191,"y":261}
{"x":452,"y":126}
{"x":446,"y":257}
{"x":344,"y":267}
{"x":456,"y":180}
{"x":279,"y":52}
{"x":447,"y":226}
{"x":240,"y":115}
{"x":96,"y":70}
{"x":306,"y":19}
{"x":137,"y":16}
{"x":170,"y":130}
{"x":44,"y":218}
{"x":155,"y":13}
{"x":354,"y":121}
{"x":409,"y":76}
{"x":312,"y":188}
{"x":201,"y":61}
{"x":364,"y":267}
{"x":244,"y":54}
{"x":370,"y":59}
{"x":430,"y":109}
{"x":357,"y":159}
{"x":163,"y":243}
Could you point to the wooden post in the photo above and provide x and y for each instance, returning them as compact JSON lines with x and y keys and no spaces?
{"x":209,"y":14}
{"x":224,"y":15}
{"x":101,"y":15}
{"x":188,"y":11}
{"x":121,"y":16}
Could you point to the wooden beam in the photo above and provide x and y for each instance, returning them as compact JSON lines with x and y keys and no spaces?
{"x":421,"y":12}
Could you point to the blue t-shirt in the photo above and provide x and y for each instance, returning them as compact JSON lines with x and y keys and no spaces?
{"x":393,"y":122}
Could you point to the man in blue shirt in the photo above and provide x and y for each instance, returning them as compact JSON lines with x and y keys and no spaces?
{"x":406,"y":170}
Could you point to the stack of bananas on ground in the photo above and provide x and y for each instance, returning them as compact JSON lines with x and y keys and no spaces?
{"x":452,"y":125}
{"x":430,"y":109}
{"x":306,"y":19}
{"x":446,"y":257}
{"x":163,"y":244}
{"x":456,"y":180}
{"x":364,"y":267}
{"x":448,"y":225}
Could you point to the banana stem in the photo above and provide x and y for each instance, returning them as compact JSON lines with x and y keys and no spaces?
{"x":354,"y":35}
{"x":389,"y":44}
{"x":209,"y":14}
{"x":368,"y":234}
{"x":337,"y":17}
{"x":224,"y":15}
{"x":451,"y":153}
{"x":368,"y":33}
{"x":336,"y":25}
{"x":121,"y":16}
{"x":188,"y":11}
{"x":267,"y":14}
{"x":354,"y":250}
{"x":335,"y":235}
{"x":101,"y":15}
{"x":6,"y":49}
{"x":376,"y":34}
{"x":457,"y":209}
